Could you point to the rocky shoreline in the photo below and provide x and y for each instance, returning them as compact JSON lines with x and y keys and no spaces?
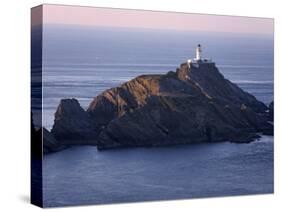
{"x":191,"y":105}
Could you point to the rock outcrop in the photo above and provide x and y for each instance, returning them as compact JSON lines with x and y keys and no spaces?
{"x":36,"y":142}
{"x":50,"y":144}
{"x":213,"y":83}
{"x":271,"y":111}
{"x":194,"y":104}
{"x":42,"y":139}
{"x":73,"y":125}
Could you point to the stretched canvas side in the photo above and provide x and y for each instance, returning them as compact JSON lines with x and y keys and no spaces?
{"x":36,"y":106}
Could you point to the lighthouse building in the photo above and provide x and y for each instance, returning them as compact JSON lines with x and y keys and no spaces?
{"x":198,"y":58}
{"x":198,"y":53}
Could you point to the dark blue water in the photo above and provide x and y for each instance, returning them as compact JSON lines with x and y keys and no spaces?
{"x":81,"y":62}
{"x":81,"y":175}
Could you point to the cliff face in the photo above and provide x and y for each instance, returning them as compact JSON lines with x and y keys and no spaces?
{"x":213,"y":83}
{"x":72,"y":124}
{"x":115,"y":102}
{"x":193,"y":104}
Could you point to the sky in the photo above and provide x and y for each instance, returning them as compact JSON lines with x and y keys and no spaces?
{"x":107,"y":17}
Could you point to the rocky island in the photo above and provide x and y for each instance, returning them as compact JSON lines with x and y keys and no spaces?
{"x":191,"y":105}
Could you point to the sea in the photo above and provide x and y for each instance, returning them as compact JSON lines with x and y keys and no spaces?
{"x":82,"y":61}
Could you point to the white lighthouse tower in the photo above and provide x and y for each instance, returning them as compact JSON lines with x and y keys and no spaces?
{"x":198,"y":52}
{"x":198,"y":58}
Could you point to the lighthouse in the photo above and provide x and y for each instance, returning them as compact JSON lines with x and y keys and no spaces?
{"x":198,"y":58}
{"x":198,"y":52}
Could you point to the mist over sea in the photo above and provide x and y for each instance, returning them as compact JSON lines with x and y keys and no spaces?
{"x":81,"y":62}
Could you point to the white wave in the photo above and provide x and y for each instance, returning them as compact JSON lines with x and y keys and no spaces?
{"x":244,"y":66}
{"x":265,"y":139}
{"x":252,"y":82}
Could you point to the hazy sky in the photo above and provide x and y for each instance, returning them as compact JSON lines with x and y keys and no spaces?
{"x":90,"y":16}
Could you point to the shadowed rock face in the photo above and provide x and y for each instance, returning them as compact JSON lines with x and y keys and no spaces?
{"x":115,"y":102}
{"x":193,"y":104}
{"x":72,"y":124}
{"x":271,"y":111}
{"x":213,"y":83}
{"x":50,"y":144}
